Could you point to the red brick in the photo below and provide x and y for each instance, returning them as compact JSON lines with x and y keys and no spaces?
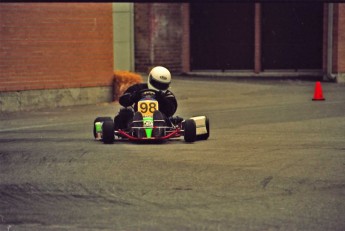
{"x":341,"y":38}
{"x":53,"y":45}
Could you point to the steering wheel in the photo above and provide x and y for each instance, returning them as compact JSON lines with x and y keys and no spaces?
{"x":141,"y":93}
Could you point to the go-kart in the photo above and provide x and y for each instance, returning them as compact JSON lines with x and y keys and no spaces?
{"x":149,"y":124}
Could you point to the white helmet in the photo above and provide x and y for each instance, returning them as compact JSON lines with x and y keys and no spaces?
{"x":159,"y":79}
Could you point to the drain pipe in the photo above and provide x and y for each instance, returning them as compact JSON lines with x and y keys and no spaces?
{"x":330,"y":74}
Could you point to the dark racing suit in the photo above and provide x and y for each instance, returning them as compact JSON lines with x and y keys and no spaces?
{"x":166,"y":100}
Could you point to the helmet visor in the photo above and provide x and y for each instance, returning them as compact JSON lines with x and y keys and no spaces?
{"x":157,"y":84}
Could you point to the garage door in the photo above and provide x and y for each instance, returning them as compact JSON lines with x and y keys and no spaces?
{"x":222,"y":36}
{"x":292,"y":35}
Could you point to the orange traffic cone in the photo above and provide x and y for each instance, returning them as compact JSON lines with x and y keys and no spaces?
{"x":318,"y":92}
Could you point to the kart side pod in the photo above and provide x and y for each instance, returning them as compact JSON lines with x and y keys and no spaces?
{"x":202,"y":127}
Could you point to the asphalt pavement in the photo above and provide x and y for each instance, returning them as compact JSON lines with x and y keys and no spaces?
{"x":274,"y":161}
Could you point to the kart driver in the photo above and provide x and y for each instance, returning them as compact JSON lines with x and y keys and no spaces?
{"x":159,"y":79}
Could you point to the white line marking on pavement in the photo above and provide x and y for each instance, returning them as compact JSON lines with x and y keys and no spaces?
{"x":38,"y":126}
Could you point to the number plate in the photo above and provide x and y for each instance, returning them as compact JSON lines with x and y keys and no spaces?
{"x":147,"y":107}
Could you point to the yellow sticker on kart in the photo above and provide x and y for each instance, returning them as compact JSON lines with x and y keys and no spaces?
{"x":147,"y":107}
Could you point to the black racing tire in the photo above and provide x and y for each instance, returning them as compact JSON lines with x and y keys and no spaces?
{"x":189,"y":130}
{"x":99,"y":119}
{"x":205,"y":136}
{"x":108,"y":132}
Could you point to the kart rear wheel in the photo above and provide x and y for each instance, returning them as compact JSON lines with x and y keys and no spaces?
{"x":99,"y":119}
{"x":108,"y":132}
{"x":205,"y":136}
{"x":189,"y":130}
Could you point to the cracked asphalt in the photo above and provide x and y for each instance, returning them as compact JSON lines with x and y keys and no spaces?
{"x":275,"y":161}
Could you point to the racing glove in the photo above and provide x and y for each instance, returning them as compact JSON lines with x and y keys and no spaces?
{"x":125,"y":100}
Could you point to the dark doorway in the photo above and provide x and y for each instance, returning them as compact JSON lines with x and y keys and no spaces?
{"x":222,"y":36}
{"x":292,"y":35}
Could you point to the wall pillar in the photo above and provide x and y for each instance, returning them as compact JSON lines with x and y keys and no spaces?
{"x":257,"y":38}
{"x":123,"y":32}
{"x":339,"y":45}
{"x":185,"y":38}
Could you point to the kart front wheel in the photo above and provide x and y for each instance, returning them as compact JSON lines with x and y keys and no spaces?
{"x":101,"y":120}
{"x":108,"y":132}
{"x":189,"y":130}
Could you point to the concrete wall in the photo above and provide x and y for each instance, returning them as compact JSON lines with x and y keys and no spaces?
{"x":37,"y":99}
{"x":123,"y":29}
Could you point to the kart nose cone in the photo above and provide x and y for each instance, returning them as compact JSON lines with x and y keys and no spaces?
{"x":148,"y":124}
{"x":148,"y":132}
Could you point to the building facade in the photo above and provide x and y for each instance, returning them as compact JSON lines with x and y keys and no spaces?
{"x":57,"y":54}
{"x":242,"y":39}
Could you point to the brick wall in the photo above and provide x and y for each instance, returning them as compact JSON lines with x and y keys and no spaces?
{"x":142,"y":38}
{"x":158,"y":36}
{"x":340,"y":38}
{"x":185,"y":38}
{"x":55,"y":45}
